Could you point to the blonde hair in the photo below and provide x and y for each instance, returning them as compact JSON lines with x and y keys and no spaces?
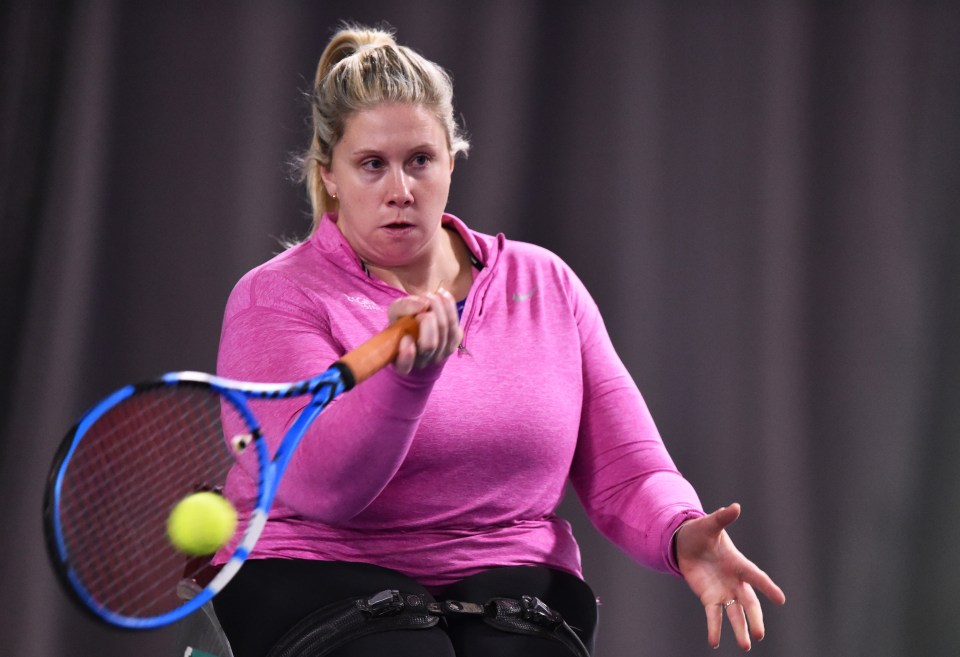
{"x":361,"y":68}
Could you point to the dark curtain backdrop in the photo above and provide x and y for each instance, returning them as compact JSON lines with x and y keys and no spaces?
{"x":762,"y":197}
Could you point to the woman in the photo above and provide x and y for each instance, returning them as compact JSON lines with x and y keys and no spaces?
{"x":440,"y":476}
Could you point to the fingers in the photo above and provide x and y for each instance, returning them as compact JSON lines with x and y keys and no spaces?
{"x":751,"y":574}
{"x":727,"y":583}
{"x":704,"y":532}
{"x":753,"y":611}
{"x":407,"y":306}
{"x":406,"y":355}
{"x":714,"y":624}
{"x":725,"y":516}
{"x":738,"y":621}
{"x":439,"y":331}
{"x":745,"y":616}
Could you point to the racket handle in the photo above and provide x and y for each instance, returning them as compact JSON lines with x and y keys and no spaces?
{"x":380,"y":350}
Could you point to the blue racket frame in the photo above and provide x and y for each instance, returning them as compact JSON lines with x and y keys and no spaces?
{"x":322,"y":389}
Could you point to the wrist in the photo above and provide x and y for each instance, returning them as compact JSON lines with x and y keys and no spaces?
{"x":675,"y":548}
{"x":674,"y":551}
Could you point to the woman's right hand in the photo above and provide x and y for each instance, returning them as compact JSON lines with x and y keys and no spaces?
{"x":440,"y":332}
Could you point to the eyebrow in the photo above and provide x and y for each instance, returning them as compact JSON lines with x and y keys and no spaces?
{"x":377,"y":151}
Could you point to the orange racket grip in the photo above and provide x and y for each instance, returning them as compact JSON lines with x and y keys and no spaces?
{"x":380,"y":350}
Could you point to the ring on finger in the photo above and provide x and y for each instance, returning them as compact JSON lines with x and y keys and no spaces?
{"x":728,"y":603}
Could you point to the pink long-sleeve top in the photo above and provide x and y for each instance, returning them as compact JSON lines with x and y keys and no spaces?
{"x":457,"y":468}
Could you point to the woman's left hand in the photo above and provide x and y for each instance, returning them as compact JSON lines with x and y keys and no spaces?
{"x":724,"y":579}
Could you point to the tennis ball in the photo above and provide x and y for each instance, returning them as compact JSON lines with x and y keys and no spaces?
{"x":201,"y":523}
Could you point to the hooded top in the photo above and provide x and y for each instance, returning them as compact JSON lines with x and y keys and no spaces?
{"x":458,"y":467}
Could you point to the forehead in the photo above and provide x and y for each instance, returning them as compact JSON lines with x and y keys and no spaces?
{"x":393,"y":124}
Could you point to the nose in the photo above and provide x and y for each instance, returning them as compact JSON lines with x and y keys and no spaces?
{"x":399,"y":194}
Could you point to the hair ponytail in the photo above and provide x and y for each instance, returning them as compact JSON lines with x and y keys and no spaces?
{"x":346,"y":42}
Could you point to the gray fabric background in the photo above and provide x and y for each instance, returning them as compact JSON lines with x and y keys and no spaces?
{"x":762,"y":197}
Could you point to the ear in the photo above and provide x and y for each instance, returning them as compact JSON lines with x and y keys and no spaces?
{"x":329,"y":180}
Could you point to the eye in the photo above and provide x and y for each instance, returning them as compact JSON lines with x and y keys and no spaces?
{"x":373,"y":164}
{"x":420,"y":160}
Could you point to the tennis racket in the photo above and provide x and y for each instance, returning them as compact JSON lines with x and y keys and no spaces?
{"x":133,"y":456}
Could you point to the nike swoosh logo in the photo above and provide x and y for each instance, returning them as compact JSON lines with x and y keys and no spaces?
{"x":523,"y":297}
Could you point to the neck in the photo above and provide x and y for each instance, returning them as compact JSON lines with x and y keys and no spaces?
{"x":448,"y":268}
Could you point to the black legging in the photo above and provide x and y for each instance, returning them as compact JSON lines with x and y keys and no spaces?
{"x":269,"y":596}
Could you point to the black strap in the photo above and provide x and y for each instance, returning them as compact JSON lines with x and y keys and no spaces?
{"x":340,"y":622}
{"x":330,"y":627}
{"x":528,"y":615}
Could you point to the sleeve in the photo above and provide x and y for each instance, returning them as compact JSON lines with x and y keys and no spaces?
{"x":356,"y":445}
{"x":622,"y":472}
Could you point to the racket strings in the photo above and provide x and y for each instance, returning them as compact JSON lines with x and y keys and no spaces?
{"x":128,"y":471}
{"x":105,"y":460}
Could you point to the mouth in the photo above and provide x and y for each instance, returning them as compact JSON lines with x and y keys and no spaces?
{"x":398,"y":225}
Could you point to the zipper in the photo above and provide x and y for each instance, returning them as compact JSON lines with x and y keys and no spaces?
{"x":474,"y":307}
{"x":479,"y":292}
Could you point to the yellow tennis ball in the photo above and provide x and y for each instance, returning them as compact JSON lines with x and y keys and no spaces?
{"x":201,"y":523}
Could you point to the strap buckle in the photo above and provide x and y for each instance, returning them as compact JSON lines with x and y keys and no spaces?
{"x":384,"y":603}
{"x":536,"y":611}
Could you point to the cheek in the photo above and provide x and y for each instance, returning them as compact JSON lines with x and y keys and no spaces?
{"x":359,"y":193}
{"x":439,"y":185}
